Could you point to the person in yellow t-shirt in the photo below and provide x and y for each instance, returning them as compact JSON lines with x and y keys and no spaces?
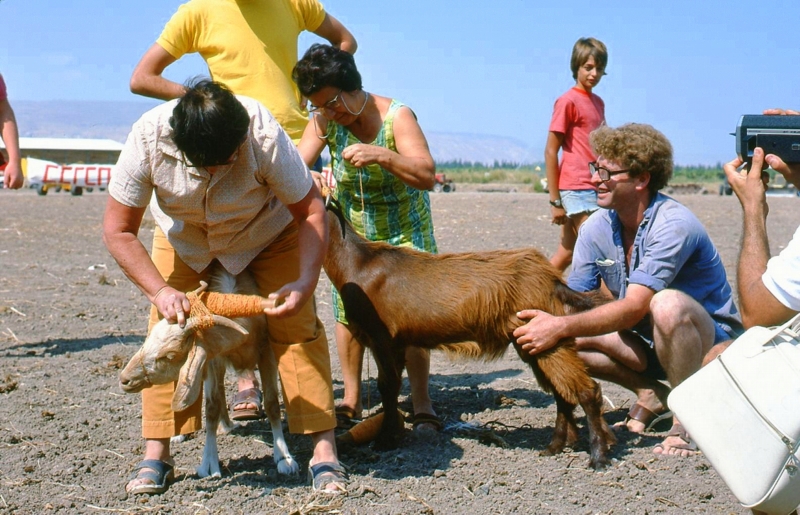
{"x":251,"y":47}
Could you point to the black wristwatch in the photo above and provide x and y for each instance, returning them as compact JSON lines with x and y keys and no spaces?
{"x":556,"y":203}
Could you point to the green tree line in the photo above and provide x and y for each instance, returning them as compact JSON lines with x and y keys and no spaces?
{"x":532,"y":173}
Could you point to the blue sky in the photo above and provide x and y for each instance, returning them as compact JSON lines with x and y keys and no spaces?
{"x":689,"y":68}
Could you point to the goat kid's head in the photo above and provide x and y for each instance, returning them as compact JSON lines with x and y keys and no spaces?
{"x":171,"y":353}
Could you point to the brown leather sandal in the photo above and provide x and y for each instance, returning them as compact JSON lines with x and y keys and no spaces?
{"x":648,"y":417}
{"x":241,"y":399}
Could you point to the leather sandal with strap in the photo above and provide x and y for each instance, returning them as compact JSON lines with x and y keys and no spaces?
{"x":326,"y":473}
{"x":649,"y":418}
{"x":249,"y":396}
{"x":427,"y":419}
{"x":686,"y":444}
{"x":159,"y":475}
{"x":346,"y":417}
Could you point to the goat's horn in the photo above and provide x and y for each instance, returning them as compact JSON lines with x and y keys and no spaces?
{"x":192,"y":322}
{"x":326,"y":194}
{"x":201,"y":288}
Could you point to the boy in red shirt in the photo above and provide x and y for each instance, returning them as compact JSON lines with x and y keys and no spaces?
{"x":575,"y":114}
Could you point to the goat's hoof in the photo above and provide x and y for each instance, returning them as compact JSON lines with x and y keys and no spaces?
{"x":208,"y":471}
{"x":599,"y":463}
{"x":552,"y":450}
{"x":205,"y":474}
{"x":287,"y":466}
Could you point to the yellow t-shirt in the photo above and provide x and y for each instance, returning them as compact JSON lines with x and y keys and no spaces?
{"x":250,"y":46}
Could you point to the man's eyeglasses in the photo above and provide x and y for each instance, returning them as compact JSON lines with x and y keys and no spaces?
{"x":604,"y":173}
{"x":330,"y":104}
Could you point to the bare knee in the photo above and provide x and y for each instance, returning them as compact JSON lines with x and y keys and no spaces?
{"x":715,"y":351}
{"x":674,"y":312}
{"x":668,"y":310}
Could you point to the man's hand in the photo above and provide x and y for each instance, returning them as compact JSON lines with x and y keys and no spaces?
{"x":173,"y":305}
{"x":542,"y":331}
{"x":781,"y":112}
{"x":749,"y":186}
{"x":791,"y":172}
{"x":288,"y":300}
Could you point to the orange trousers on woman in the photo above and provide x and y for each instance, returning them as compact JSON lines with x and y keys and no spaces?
{"x":299,"y":344}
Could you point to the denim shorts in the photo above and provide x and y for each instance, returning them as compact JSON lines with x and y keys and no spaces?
{"x":579,"y":201}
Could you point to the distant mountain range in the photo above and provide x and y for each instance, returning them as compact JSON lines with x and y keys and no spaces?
{"x":113,"y":120}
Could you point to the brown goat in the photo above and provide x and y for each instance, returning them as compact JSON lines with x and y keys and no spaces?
{"x":464,"y":303}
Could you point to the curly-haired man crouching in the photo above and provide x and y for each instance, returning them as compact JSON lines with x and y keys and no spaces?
{"x":672,"y":301}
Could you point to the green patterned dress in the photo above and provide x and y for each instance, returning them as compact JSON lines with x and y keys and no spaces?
{"x":380,"y":206}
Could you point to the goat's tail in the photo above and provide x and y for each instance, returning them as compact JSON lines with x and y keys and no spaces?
{"x":575,"y":302}
{"x":468,"y":350}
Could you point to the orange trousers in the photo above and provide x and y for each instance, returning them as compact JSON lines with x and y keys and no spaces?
{"x":299,"y":344}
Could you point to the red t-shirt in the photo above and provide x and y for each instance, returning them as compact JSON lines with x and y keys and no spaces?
{"x":3,"y":93}
{"x":576,"y":113}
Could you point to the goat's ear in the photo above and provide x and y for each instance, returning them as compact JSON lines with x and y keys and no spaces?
{"x":190,"y":380}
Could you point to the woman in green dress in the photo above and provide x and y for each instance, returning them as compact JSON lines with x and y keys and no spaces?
{"x":383,"y":171}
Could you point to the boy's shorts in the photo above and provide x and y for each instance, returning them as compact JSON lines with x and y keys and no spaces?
{"x":579,"y":201}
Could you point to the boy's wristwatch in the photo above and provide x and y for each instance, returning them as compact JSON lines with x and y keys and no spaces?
{"x":556,"y":203}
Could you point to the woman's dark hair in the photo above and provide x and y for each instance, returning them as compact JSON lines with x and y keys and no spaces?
{"x":209,"y":123}
{"x":323,"y":66}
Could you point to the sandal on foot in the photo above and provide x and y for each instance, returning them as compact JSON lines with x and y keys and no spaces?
{"x":328,"y":473}
{"x":677,"y":431}
{"x":427,"y":419}
{"x":248,"y":396}
{"x":159,"y":473}
{"x":646,"y":416}
{"x":346,"y":417}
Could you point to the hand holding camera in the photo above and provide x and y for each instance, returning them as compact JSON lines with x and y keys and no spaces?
{"x":768,"y":140}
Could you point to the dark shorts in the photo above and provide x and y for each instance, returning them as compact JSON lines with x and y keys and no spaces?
{"x":644,"y":332}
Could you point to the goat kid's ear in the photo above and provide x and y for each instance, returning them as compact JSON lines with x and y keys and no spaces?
{"x":190,"y":380}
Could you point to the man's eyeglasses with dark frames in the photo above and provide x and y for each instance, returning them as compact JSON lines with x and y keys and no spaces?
{"x":330,"y":104}
{"x":604,"y":173}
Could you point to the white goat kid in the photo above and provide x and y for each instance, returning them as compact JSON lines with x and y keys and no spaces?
{"x":190,"y":354}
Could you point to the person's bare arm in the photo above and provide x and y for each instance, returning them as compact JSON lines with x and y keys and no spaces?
{"x":120,"y":234}
{"x":337,"y":34}
{"x":311,"y":145}
{"x":412,"y":163}
{"x":543,"y":330}
{"x":554,"y":142}
{"x":12,"y":177}
{"x":758,"y":305}
{"x":147,"y":80}
{"x":309,"y":213}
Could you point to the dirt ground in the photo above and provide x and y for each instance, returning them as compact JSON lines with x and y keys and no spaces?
{"x":69,"y":436}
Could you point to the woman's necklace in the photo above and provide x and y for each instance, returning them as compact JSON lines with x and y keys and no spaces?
{"x":366,"y":98}
{"x":328,"y":132}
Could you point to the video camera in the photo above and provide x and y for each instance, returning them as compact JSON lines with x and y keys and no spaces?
{"x":779,"y":135}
